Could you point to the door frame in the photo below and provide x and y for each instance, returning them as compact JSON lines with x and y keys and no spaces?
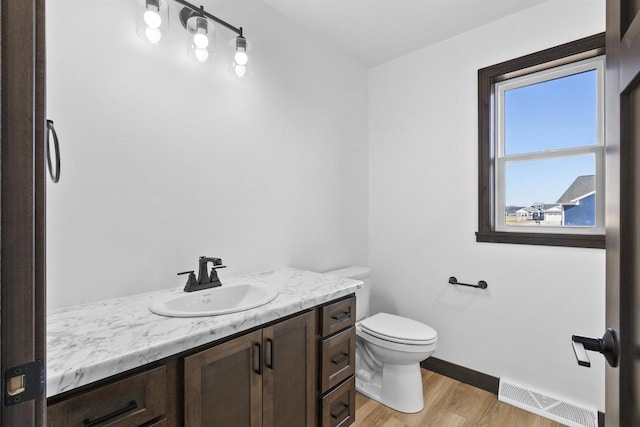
{"x":623,"y":225}
{"x":22,"y":193}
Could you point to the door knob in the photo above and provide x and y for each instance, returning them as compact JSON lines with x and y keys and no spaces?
{"x":607,"y":345}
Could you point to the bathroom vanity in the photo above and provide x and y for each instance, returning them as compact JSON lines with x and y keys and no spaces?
{"x":287,"y":363}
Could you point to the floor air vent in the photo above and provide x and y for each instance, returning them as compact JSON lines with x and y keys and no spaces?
{"x":555,"y":409}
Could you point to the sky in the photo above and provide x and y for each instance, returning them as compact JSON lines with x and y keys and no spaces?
{"x":556,"y":114}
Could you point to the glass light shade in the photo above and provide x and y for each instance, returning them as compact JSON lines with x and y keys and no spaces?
{"x":201,"y":54}
{"x":241,"y":58}
{"x":200,"y":40}
{"x":240,"y":70}
{"x":154,"y":35}
{"x":152,"y":20}
{"x":202,"y":37}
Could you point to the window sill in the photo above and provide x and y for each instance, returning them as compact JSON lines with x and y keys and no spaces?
{"x":569,"y":240}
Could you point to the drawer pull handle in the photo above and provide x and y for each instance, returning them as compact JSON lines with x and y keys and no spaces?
{"x":341,"y":316}
{"x":132,"y":406}
{"x":259,"y":370}
{"x":341,"y":413}
{"x":271,"y":353}
{"x":55,"y":176}
{"x":340,"y":359}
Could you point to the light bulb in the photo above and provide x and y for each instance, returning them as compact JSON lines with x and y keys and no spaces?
{"x":200,"y":39}
{"x":201,"y":54}
{"x":153,"y":34}
{"x":240,"y":70}
{"x":241,"y":58}
{"x":152,"y":19}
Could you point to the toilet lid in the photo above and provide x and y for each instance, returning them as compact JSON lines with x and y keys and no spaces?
{"x":398,"y":329}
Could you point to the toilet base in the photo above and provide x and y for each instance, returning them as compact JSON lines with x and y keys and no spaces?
{"x":402,"y":389}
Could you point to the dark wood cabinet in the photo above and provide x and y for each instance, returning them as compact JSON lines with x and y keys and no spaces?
{"x":338,"y":316}
{"x":223,"y":384}
{"x":290,"y":372}
{"x":140,"y":399}
{"x":338,"y":360}
{"x":339,"y":405}
{"x":265,"y":378}
{"x":293,"y":372}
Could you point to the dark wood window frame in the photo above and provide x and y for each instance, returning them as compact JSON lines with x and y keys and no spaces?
{"x":588,"y":47}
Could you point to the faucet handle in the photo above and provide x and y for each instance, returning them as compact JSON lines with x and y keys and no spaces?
{"x":191,"y":281}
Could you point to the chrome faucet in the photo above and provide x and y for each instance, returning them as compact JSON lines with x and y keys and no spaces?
{"x":204,"y":280}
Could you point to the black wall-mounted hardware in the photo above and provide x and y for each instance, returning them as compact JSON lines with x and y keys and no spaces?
{"x":51,"y":130}
{"x":481,"y":284}
{"x":193,"y":9}
{"x":607,"y":345}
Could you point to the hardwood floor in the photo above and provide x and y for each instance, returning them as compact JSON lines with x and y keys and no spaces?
{"x":448,"y":403}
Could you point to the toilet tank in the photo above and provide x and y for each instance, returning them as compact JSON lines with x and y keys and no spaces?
{"x":362,"y":295}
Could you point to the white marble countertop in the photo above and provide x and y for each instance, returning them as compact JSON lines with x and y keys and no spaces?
{"x":89,"y":342}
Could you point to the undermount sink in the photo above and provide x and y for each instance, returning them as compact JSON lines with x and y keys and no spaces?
{"x":224,"y":299}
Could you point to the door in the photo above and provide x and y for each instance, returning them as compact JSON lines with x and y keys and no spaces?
{"x":289,"y":383}
{"x":223,"y":385}
{"x":22,"y":277}
{"x":623,"y":208}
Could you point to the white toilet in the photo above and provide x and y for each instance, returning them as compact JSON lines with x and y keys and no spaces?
{"x":389,"y":350}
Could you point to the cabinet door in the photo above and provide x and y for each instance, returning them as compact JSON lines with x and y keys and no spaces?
{"x":223,"y":385}
{"x":289,"y":382}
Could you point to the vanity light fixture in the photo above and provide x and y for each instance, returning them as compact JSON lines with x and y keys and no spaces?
{"x":199,"y":24}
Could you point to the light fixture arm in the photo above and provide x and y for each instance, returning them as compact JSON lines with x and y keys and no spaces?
{"x":200,"y":10}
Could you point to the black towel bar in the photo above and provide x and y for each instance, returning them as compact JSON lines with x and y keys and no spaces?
{"x":481,"y":284}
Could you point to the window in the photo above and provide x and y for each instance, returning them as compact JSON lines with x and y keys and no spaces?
{"x":541,"y":147}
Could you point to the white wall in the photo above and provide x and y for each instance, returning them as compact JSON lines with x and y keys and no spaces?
{"x":164,"y":160}
{"x":423,"y":215}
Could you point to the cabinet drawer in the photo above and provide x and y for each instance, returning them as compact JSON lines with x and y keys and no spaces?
{"x":131,"y":402}
{"x":338,"y":358}
{"x":339,"y":406}
{"x":338,"y":316}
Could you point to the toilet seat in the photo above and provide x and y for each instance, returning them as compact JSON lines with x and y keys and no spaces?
{"x":392,"y":345}
{"x":397,"y":329}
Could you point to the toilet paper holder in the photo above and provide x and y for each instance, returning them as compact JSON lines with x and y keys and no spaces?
{"x":481,"y":284}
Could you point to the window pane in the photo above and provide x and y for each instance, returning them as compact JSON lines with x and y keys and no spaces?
{"x":560,"y":113}
{"x":554,"y":192}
